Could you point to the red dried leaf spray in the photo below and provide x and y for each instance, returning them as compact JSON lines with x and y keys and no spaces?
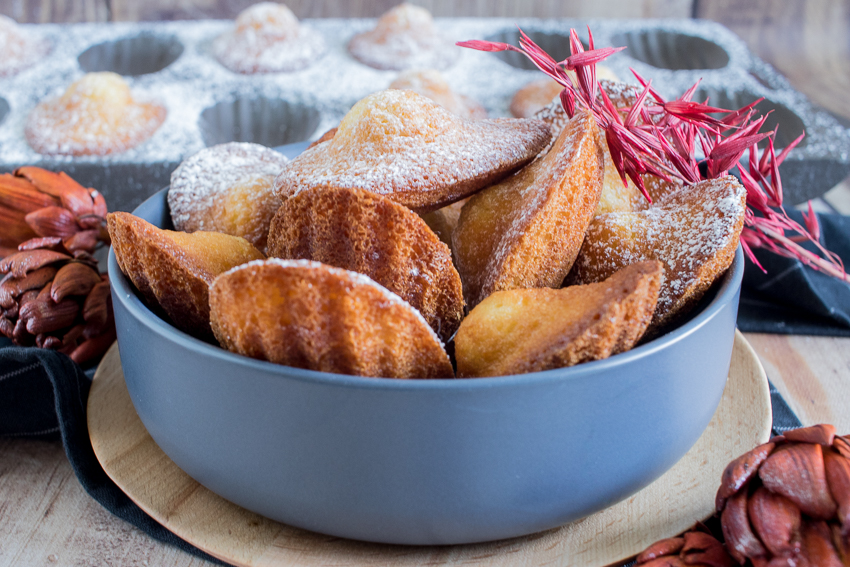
{"x":660,"y":137}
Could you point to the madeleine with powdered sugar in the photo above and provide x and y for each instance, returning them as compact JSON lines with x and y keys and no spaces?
{"x":227,"y":188}
{"x":366,"y":233}
{"x":431,"y":83}
{"x":526,"y":231}
{"x":97,"y":115}
{"x":268,"y":38}
{"x":404,"y":38}
{"x":309,"y":315}
{"x":694,"y":232}
{"x":406,"y":147}
{"x":21,"y":48}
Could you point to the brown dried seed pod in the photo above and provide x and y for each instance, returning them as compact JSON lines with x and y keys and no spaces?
{"x":797,"y":472}
{"x":53,"y":221}
{"x":73,"y":278}
{"x":22,"y":263}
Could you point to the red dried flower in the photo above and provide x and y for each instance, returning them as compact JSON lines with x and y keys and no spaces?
{"x":660,"y":137}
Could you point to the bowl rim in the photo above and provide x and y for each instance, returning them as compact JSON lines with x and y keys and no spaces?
{"x":124,"y":292}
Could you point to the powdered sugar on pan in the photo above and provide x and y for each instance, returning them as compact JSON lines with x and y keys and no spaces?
{"x":21,"y":47}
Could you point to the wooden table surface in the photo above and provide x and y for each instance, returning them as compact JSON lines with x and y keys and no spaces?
{"x":45,"y":516}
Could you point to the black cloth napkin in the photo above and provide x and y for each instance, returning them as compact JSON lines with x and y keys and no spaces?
{"x":793,"y":299}
{"x":43,"y":395}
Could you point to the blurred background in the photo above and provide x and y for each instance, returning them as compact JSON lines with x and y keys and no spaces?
{"x":808,"y":41}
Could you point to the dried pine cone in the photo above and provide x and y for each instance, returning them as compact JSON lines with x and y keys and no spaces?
{"x":51,"y":293}
{"x":785,"y":503}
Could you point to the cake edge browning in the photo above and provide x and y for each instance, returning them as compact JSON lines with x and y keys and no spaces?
{"x":324,"y":319}
{"x":360,"y":231}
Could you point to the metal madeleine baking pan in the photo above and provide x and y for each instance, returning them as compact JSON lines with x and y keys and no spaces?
{"x":208,"y":104}
{"x":423,"y":461}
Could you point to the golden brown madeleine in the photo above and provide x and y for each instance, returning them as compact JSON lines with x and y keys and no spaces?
{"x":444,"y":221}
{"x":526,"y":231}
{"x":694,"y":232}
{"x":267,"y":38}
{"x":310,"y":315}
{"x":617,"y":197}
{"x":412,"y":150}
{"x":174,"y":269}
{"x":530,"y":330}
{"x":405,"y":37}
{"x":431,"y":83}
{"x":97,"y":115}
{"x":227,"y":188}
{"x":360,"y":231}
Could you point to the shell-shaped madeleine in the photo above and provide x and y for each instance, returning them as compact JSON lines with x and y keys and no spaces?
{"x":431,"y":83}
{"x":405,"y":37}
{"x":227,"y":188}
{"x":97,"y":115}
{"x":366,"y":233}
{"x":402,"y":145}
{"x":267,"y":38}
{"x":694,"y":232}
{"x":175,"y":269}
{"x":526,"y":231}
{"x":309,"y":315}
{"x":530,"y":330}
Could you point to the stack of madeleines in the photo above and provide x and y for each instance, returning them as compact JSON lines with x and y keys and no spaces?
{"x":410,"y":227}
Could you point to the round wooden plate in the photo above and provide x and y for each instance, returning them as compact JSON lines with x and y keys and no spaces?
{"x":670,"y":505}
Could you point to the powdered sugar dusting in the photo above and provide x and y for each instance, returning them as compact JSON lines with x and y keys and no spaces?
{"x":430,"y":83}
{"x":404,"y":38}
{"x":399,"y":142}
{"x":20,"y":47}
{"x":267,"y":38}
{"x":205,"y":177}
{"x":196,"y":81}
{"x":685,"y":230}
{"x":97,"y":115}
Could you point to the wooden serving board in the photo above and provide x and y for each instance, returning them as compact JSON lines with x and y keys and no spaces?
{"x":682,"y":496}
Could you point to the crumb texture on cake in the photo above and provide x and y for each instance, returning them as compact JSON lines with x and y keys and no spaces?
{"x":531,"y":330}
{"x":173,"y":270}
{"x":366,"y":233}
{"x":309,"y":315}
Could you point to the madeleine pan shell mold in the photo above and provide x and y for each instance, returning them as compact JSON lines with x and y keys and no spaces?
{"x":171,"y":62}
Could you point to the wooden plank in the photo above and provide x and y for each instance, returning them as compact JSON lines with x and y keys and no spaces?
{"x":839,"y":197}
{"x":811,"y":373}
{"x":56,"y":11}
{"x":129,"y":10}
{"x":806,"y":40}
{"x":46,"y":518}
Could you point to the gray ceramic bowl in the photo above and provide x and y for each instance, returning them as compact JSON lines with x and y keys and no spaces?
{"x":431,"y":461}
